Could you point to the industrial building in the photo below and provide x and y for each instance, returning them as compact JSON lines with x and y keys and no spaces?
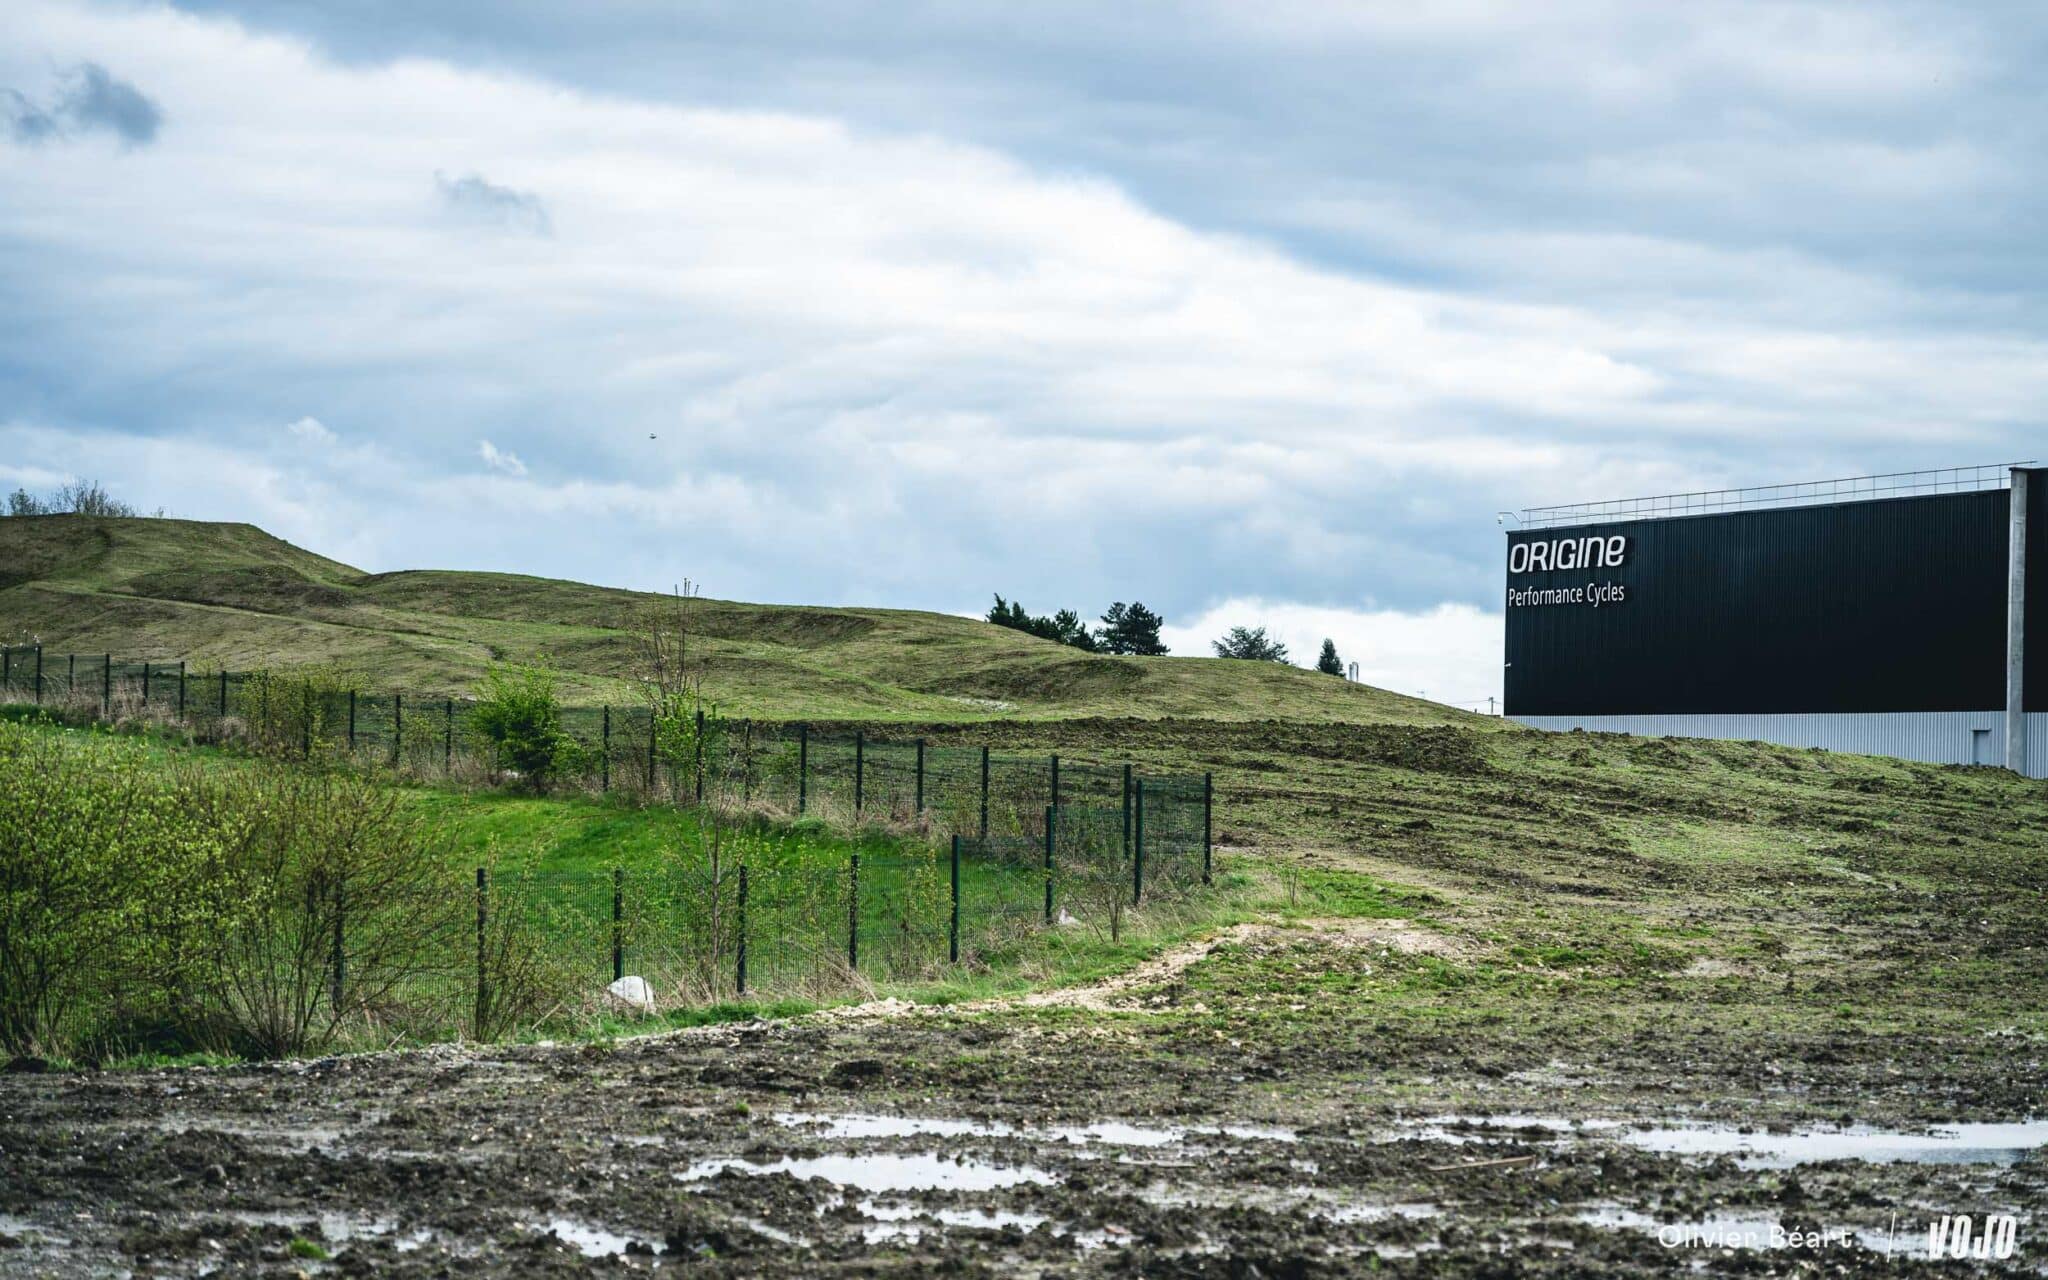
{"x":1887,"y":615}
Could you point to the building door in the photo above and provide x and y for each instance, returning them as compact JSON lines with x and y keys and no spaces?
{"x":1980,"y":746}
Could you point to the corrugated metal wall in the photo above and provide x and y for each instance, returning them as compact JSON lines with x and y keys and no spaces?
{"x":2035,"y":678}
{"x":1942,"y":737}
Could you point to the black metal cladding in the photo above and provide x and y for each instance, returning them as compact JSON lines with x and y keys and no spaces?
{"x":1887,"y":605}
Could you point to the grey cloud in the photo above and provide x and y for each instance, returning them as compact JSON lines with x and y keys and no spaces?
{"x":1676,"y":172}
{"x":29,"y":122}
{"x":93,"y":100}
{"x":480,"y":200}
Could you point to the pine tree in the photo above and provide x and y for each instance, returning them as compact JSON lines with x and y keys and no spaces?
{"x":1251,"y":644}
{"x":1131,"y":628}
{"x":1329,"y":663}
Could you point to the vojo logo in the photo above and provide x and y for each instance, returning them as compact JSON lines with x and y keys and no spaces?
{"x":1567,"y":553}
{"x":1953,"y":1237}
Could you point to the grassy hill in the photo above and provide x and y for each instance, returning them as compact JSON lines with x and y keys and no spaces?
{"x":233,"y":596}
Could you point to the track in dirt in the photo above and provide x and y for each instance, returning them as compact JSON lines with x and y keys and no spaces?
{"x":1110,"y":1130}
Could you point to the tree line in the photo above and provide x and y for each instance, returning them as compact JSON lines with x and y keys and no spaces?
{"x":1126,"y":628}
{"x":1134,"y":629}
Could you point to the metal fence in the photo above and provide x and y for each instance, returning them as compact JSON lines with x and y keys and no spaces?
{"x":961,"y":855}
{"x":845,"y":777}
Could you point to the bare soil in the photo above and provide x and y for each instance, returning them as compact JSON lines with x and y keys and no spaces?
{"x":1118,"y":1130}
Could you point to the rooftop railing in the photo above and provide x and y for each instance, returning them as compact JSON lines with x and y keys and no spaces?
{"x":1896,"y":484}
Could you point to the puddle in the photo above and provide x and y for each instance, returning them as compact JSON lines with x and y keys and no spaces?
{"x":1109,"y":1133}
{"x":870,"y":1125}
{"x":883,"y":1172}
{"x":1949,"y":1144}
{"x":894,"y":1223}
{"x":334,"y":1228}
{"x":1116,"y":1133}
{"x":597,"y":1242}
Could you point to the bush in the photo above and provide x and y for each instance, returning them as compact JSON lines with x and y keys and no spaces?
{"x":101,"y":854}
{"x":183,"y":909}
{"x":518,"y":718}
{"x":296,"y":714}
{"x":323,"y":889}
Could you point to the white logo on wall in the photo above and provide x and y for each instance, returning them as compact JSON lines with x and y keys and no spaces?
{"x":1564,"y":554}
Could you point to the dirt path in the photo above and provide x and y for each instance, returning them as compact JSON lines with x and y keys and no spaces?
{"x":1120,"y":991}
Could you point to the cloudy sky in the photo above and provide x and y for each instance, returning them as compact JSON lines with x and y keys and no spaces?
{"x":1255,"y":312}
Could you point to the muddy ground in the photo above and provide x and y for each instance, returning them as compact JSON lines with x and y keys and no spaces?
{"x":1512,"y":1004}
{"x":1123,"y":1130}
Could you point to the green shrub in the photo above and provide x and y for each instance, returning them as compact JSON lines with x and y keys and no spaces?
{"x":318,"y":869}
{"x":101,"y":855}
{"x":518,"y":719}
{"x":179,"y":909}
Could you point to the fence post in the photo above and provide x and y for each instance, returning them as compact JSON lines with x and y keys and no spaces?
{"x":605,"y":753}
{"x":953,"y":933}
{"x":145,"y":684}
{"x":853,"y":912}
{"x":1051,"y":815}
{"x":448,"y":737}
{"x":1138,"y":846}
{"x":397,"y":729}
{"x":223,"y":693}
{"x":984,"y":793}
{"x":653,"y":773}
{"x":618,"y":923}
{"x":741,"y":986}
{"x":39,"y":675}
{"x":1055,"y":787}
{"x":336,"y":960}
{"x":803,"y":767}
{"x":1208,"y":810}
{"x":920,"y":777}
{"x":483,"y":982}
{"x":1127,"y":811}
{"x":181,"y":684}
{"x":860,"y":744}
{"x":699,"y":742}
{"x":107,"y":687}
{"x":351,"y":721}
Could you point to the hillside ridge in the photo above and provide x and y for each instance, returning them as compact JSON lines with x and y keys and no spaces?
{"x":230,"y":595}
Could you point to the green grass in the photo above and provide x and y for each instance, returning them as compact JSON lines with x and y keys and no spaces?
{"x":1590,"y":889}
{"x":230,"y":595}
{"x":552,"y":860}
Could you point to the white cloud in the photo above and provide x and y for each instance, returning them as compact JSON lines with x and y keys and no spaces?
{"x":34,"y":479}
{"x":888,"y":365}
{"x":1451,"y":653}
{"x":311,"y":430}
{"x":500,"y":459}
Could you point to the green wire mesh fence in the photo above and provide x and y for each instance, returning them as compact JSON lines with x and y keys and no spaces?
{"x":997,"y":851}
